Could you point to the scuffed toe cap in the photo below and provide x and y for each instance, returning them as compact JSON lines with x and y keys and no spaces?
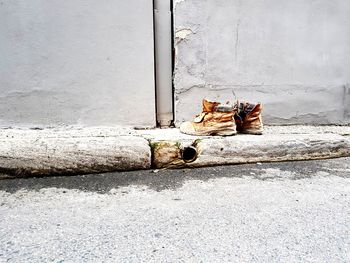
{"x":187,"y":128}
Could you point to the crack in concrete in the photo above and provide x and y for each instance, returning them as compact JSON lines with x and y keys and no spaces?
{"x":237,"y":39}
{"x":176,"y":2}
{"x":217,"y":86}
{"x":346,"y":100}
{"x":183,"y":34}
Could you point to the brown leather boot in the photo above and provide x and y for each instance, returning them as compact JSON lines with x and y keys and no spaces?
{"x":248,"y":118}
{"x":215,"y":119}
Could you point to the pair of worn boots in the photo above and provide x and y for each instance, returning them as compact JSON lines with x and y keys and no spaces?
{"x":225,"y":119}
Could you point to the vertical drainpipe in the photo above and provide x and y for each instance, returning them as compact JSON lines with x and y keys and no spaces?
{"x":163,"y":61}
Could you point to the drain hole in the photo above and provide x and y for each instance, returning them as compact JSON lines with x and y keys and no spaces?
{"x":189,"y":154}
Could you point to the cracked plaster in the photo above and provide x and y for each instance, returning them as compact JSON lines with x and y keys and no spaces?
{"x":294,"y":60}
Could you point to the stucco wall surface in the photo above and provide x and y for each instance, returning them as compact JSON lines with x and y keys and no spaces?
{"x":292,"y":55}
{"x":81,"y":62}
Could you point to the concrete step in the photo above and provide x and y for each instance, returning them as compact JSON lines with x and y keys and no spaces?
{"x":72,"y":150}
{"x":25,"y":152}
{"x":196,"y":152}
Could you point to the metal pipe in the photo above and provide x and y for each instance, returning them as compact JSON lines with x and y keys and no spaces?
{"x":189,"y":154}
{"x":163,"y":61}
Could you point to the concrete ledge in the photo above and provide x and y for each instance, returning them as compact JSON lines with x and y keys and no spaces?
{"x":278,"y":145}
{"x":71,"y":151}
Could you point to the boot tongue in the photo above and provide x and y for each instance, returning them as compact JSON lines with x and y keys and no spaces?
{"x":246,"y":107}
{"x":209,"y":106}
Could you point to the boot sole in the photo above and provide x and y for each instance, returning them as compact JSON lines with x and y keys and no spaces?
{"x":225,"y":133}
{"x":214,"y":133}
{"x":253,"y":131}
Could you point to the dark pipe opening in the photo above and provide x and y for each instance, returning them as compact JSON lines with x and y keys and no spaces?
{"x":189,"y":154}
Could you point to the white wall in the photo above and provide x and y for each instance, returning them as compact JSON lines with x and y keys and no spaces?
{"x":292,"y":55}
{"x":76,"y":62}
{"x":86,"y":62}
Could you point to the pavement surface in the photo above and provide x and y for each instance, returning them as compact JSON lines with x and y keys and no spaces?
{"x":270,"y":212}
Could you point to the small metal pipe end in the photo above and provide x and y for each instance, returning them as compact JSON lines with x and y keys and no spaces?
{"x":189,"y":154}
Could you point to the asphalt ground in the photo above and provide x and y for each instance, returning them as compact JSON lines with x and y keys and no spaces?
{"x":269,"y":212}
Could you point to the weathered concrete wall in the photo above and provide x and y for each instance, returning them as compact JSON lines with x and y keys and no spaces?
{"x":293,"y":55}
{"x":82,"y":62}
